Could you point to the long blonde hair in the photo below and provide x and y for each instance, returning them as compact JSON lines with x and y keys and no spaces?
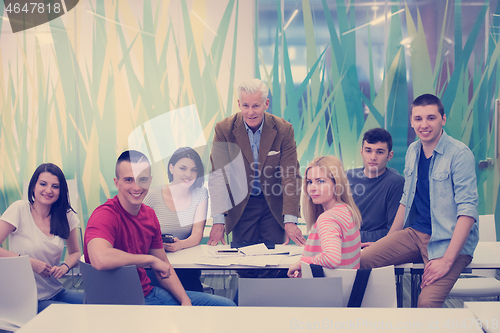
{"x":335,"y":171}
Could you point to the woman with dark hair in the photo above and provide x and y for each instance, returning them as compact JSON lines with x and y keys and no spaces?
{"x":38,"y":228}
{"x":181,"y":208}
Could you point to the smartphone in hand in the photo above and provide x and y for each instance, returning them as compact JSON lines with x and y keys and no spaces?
{"x":167,"y":238}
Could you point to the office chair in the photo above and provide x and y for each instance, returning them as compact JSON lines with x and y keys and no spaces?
{"x":325,"y":292}
{"x":380,"y":290}
{"x":115,"y":286}
{"x":480,"y":282}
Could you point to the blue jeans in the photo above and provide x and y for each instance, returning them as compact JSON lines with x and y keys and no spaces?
{"x":63,"y":296}
{"x":190,"y":278}
{"x":159,"y":296}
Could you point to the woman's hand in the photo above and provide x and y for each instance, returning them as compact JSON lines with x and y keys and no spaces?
{"x":172,"y":247}
{"x":40,"y":267}
{"x":59,"y":271}
{"x":295,"y":271}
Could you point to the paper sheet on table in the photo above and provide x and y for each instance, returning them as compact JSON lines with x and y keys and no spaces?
{"x":219,"y":261}
{"x":254,"y":261}
{"x":213,"y":251}
{"x":259,"y":261}
{"x":261,"y":249}
{"x":293,"y":250}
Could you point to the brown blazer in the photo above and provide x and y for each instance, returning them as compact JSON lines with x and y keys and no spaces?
{"x":278,"y":168}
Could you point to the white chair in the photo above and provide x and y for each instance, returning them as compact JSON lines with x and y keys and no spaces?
{"x":480,"y":282}
{"x":324,"y":292}
{"x":380,"y":291}
{"x":18,"y":295}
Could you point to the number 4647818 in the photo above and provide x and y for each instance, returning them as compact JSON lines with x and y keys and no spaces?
{"x":33,"y":7}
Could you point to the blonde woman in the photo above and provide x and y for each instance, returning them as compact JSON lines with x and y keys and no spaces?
{"x":332,"y":218}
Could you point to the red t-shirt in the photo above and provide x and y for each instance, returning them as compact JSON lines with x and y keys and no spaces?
{"x":135,"y":234}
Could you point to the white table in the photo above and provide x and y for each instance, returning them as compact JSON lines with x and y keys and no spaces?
{"x":141,"y":318}
{"x":186,"y":258}
{"x":487,"y":315}
{"x":486,"y":256}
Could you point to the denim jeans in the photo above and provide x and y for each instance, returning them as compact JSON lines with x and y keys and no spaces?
{"x":190,"y":278}
{"x":159,"y":296}
{"x":63,"y":296}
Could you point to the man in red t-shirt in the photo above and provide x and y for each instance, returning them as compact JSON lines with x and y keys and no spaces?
{"x":123,"y":231}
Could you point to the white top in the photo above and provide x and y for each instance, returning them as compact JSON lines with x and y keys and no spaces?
{"x":28,"y":239}
{"x":178,"y":223}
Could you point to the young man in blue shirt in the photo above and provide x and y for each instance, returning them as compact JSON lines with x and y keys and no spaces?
{"x":438,"y":209}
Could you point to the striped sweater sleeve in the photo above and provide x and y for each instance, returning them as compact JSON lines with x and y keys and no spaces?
{"x":330,"y":237}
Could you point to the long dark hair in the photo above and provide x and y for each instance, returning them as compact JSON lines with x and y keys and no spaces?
{"x":187,"y":152}
{"x":59,"y":225}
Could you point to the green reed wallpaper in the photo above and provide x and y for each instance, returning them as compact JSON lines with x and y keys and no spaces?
{"x":74,"y":91}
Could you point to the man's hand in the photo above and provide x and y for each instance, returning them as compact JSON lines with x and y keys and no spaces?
{"x":434,"y":270}
{"x":363,"y":245}
{"x":186,"y":302}
{"x":40,"y":267}
{"x":161,"y":268}
{"x":217,"y":235}
{"x":293,"y":233}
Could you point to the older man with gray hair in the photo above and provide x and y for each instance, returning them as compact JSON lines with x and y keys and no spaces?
{"x":264,"y":207}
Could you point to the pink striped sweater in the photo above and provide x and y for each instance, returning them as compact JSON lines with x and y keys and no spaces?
{"x":334,"y":241}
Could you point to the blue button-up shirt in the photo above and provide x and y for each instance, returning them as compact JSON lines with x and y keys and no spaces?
{"x":254,"y":139}
{"x":452,"y":189}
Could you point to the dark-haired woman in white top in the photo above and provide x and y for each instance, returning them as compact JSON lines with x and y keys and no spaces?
{"x":181,"y":208}
{"x":39,"y":228}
